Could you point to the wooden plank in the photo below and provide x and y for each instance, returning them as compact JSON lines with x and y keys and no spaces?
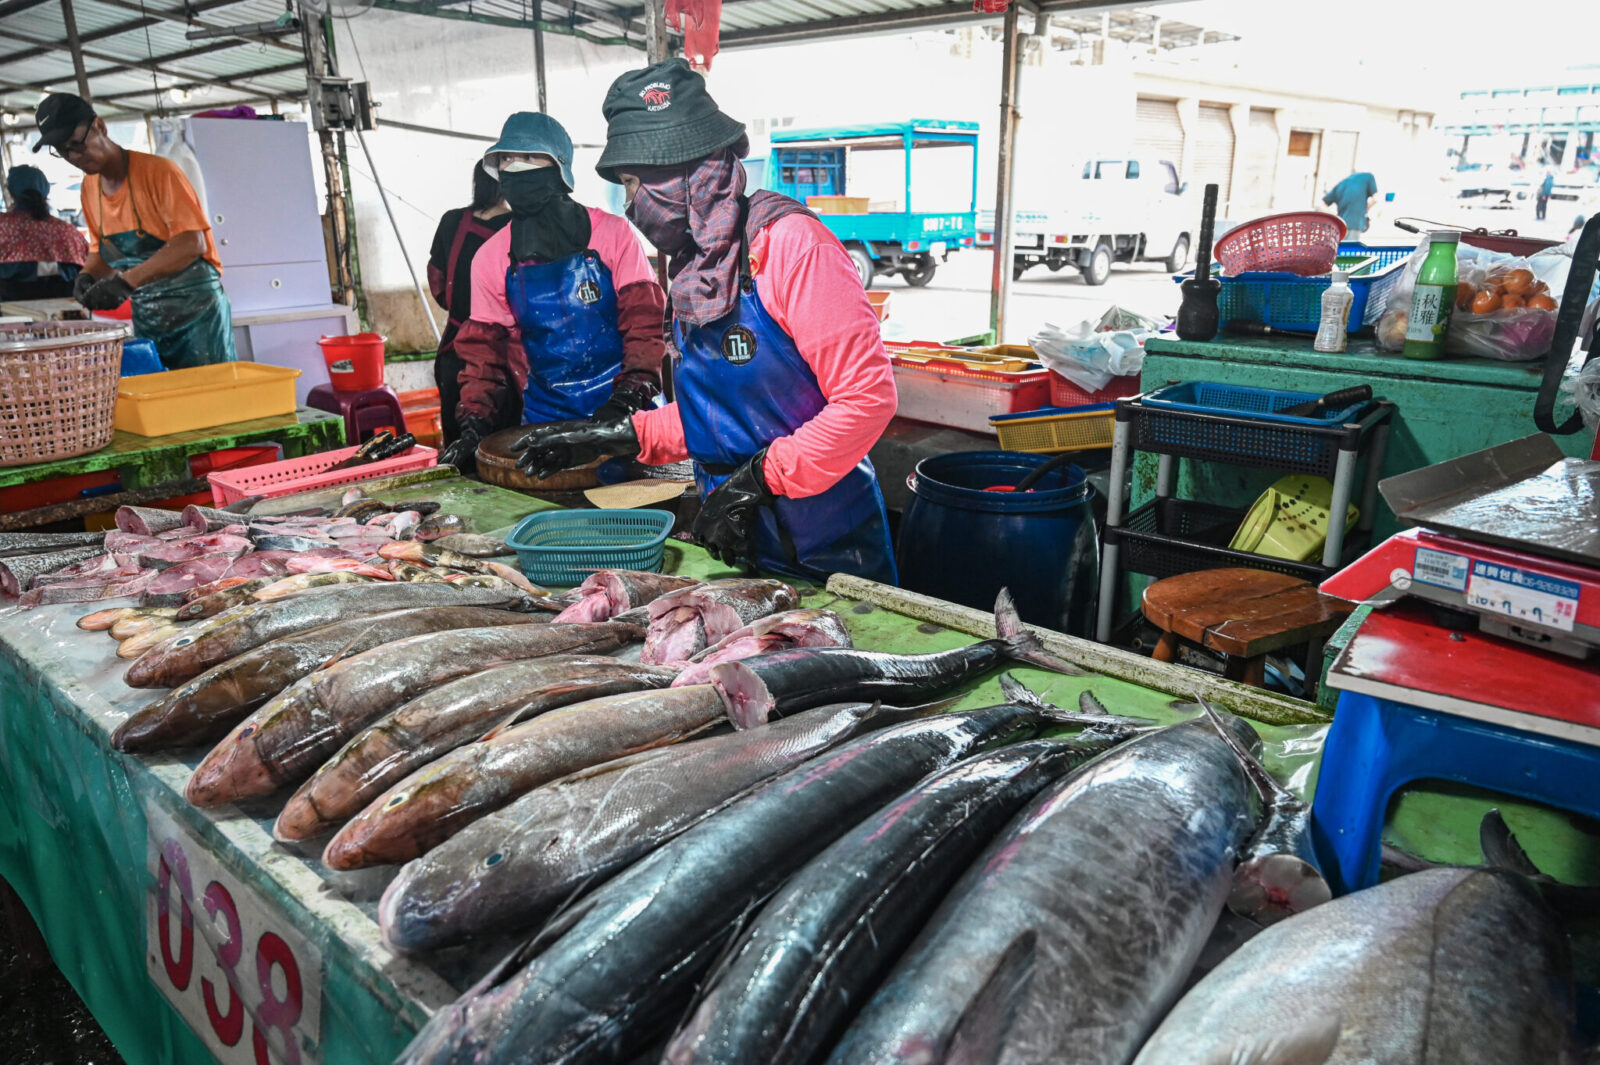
{"x":1255,"y":703}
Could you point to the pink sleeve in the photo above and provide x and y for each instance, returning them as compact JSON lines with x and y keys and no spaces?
{"x":660,"y":433}
{"x":619,"y":247}
{"x":489,"y":266}
{"x":812,"y":291}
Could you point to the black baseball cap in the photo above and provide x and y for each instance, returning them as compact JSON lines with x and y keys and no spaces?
{"x":59,"y":115}
{"x":661,"y":116}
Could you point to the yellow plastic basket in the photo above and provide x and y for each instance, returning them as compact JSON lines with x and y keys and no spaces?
{"x":200,"y":397}
{"x":1057,"y":429}
{"x":1290,"y":519}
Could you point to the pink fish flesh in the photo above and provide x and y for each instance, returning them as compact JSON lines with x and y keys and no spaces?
{"x":168,"y":589}
{"x":777,"y":632}
{"x":147,"y":521}
{"x":89,"y":589}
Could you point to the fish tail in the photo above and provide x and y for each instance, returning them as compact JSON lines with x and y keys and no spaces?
{"x":1272,"y":793}
{"x":881,"y":716}
{"x":1023,"y":645}
{"x":1019,"y":694}
{"x":1500,"y":846}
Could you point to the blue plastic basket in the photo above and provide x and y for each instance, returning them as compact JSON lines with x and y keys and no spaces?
{"x":1240,"y":401}
{"x":562,"y":547}
{"x":1289,"y":301}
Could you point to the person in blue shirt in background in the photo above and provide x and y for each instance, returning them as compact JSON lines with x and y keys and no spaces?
{"x":1542,"y":201}
{"x":1351,"y":199}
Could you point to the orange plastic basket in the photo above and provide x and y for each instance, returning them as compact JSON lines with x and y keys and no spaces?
{"x":1299,"y":242}
{"x":309,"y":473}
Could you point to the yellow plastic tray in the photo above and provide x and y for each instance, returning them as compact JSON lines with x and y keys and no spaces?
{"x":979,"y":360}
{"x":180,"y":401}
{"x":1052,"y":433}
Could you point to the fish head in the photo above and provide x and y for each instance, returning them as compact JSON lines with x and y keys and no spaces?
{"x":232,"y":770}
{"x":389,"y":829}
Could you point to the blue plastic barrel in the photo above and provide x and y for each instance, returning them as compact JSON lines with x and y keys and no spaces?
{"x":139,"y":357}
{"x":963,"y":543}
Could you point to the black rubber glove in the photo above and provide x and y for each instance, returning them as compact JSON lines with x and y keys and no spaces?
{"x":107,"y":294}
{"x":556,"y":446}
{"x":726,"y":525}
{"x":83,"y":283}
{"x":463,"y":450}
{"x":632,"y":391}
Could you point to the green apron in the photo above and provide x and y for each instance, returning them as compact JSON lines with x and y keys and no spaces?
{"x":186,"y":315}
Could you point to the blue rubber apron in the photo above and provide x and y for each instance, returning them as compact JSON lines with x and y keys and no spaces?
{"x":567,"y":312}
{"x":186,"y":315}
{"x":741,"y":385}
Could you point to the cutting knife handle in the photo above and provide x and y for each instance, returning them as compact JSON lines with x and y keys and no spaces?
{"x":1208,"y":227}
{"x":1332,"y":401}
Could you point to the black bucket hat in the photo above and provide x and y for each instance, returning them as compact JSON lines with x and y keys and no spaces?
{"x":661,"y":116}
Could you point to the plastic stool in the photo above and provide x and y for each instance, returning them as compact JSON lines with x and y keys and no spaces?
{"x":365,"y":412}
{"x":1375,"y":746}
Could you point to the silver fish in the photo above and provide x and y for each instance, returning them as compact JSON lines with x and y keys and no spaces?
{"x":474,"y":545}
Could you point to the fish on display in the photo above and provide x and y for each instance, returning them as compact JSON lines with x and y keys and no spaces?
{"x":285,"y":740}
{"x":221,"y":584}
{"x":17,"y":572}
{"x":295,"y":583}
{"x":685,"y":622}
{"x":481,"y":580}
{"x":405,"y":524}
{"x":147,"y":521}
{"x":44,"y":543}
{"x":438,"y":526}
{"x":599,"y":982}
{"x":820,"y":946}
{"x":515,"y":866}
{"x":414,"y":552}
{"x":289,"y":541}
{"x":1278,"y":874}
{"x":103,"y":620}
{"x":144,"y":619}
{"x":608,"y":592}
{"x":798,"y":679}
{"x":202,"y":710}
{"x":139,"y":642}
{"x":339,"y":565}
{"x":1072,"y":935}
{"x":776,"y":632}
{"x":1447,"y":966}
{"x":233,"y":632}
{"x":410,"y":571}
{"x":444,"y":718}
{"x":118,"y":579}
{"x":205,"y":519}
{"x":175,"y":582}
{"x":435,"y":802}
{"x":192,"y":547}
{"x":473,"y":545}
{"x":222,"y":599}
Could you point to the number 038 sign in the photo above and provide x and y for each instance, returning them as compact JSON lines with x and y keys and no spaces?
{"x":248,"y":984}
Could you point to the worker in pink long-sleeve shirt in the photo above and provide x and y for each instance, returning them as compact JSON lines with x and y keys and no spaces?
{"x":782,"y":379}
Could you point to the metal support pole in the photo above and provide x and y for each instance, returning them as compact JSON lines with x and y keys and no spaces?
{"x":1000,"y":275}
{"x":70,"y":21}
{"x":538,"y":54}
{"x":319,"y":62}
{"x":383,"y":194}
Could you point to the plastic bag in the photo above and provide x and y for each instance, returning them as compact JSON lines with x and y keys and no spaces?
{"x":1584,"y":388}
{"x":1090,"y":354}
{"x":1512,"y":334}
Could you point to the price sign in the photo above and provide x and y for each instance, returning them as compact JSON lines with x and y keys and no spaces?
{"x":1523,"y":595}
{"x":248,"y":984}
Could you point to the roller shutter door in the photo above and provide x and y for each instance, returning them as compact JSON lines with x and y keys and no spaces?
{"x":1258,"y":165}
{"x":1213,"y":148}
{"x":1158,"y":134}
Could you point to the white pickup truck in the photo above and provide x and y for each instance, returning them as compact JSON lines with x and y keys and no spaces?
{"x":1112,"y":211}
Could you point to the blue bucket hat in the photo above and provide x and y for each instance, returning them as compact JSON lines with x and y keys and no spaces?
{"x":27,"y":179}
{"x":530,"y":131}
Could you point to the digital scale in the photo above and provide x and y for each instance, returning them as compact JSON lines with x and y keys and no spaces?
{"x":1511,"y":535}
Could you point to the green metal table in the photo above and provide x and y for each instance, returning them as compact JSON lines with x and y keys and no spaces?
{"x":149,"y":466}
{"x":180,"y":927}
{"x":1447,"y":408}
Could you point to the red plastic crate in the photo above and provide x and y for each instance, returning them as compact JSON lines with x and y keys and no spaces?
{"x":1063,"y":393}
{"x":950,"y":393}
{"x":312,"y":472}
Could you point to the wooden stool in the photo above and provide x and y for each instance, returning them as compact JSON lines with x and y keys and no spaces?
{"x":1242,"y":614}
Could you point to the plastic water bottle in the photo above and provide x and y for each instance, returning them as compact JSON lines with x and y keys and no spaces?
{"x":1336,"y":301}
{"x":1434,"y":298}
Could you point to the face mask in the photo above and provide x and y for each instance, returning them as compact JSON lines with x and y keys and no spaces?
{"x":664,"y":223}
{"x":531,"y":191}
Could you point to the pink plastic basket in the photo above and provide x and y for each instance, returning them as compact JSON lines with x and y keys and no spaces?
{"x":305,"y":474}
{"x":1300,"y":242}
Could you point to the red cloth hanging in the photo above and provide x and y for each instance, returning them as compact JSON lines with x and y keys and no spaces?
{"x":700,"y":21}
{"x":990,"y":7}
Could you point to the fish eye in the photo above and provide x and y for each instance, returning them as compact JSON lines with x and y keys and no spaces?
{"x":493,"y":860}
{"x":397,"y":800}
{"x":184,"y":641}
{"x":247,"y":730}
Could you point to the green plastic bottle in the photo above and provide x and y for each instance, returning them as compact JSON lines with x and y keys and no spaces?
{"x":1434,"y":298}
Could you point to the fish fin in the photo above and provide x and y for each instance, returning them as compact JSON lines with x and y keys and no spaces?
{"x":1271,"y":792}
{"x":979,"y":1036}
{"x":881,"y":716}
{"x":1310,"y":1044}
{"x":1019,"y":694}
{"x":1391,"y":857}
{"x":1089,"y":704}
{"x":1501,"y":849}
{"x":1023,"y":645}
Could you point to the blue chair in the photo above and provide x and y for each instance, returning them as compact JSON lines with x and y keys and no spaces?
{"x":1376,"y":746}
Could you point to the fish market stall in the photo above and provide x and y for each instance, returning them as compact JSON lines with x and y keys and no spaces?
{"x":194,"y":934}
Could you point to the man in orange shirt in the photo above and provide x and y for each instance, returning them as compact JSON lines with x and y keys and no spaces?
{"x":148,"y":239}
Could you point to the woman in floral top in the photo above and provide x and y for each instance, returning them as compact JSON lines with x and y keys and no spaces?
{"x":40,"y":255}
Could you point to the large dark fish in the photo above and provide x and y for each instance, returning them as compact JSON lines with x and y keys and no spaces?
{"x":216,"y":639}
{"x":284,"y":741}
{"x":148,"y":521}
{"x":513,"y":867}
{"x":596,"y":985}
{"x":1445,"y":967}
{"x":1075,"y":931}
{"x":821,"y":945}
{"x":17,"y":572}
{"x":606,"y":593}
{"x":800,"y":678}
{"x":203,"y":709}
{"x":438,"y":800}
{"x":1277,"y":874}
{"x":43,"y":543}
{"x":440,"y":720}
